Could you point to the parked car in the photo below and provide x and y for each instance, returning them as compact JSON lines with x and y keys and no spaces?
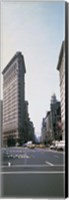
{"x":52,"y":146}
{"x":61,"y":145}
{"x":31,"y":146}
{"x":29,"y":143}
{"x":42,"y":146}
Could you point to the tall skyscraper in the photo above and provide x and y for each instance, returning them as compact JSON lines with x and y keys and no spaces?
{"x":13,"y":97}
{"x":55,"y":117}
{"x":1,"y":122}
{"x":61,"y":69}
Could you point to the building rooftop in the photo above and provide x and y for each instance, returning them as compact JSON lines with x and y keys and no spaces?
{"x":53,"y":99}
{"x":60,"y":55}
{"x":48,"y":113}
{"x":18,"y":54}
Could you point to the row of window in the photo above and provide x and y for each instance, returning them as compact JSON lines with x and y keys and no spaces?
{"x":10,"y":91}
{"x":10,"y":101}
{"x":13,"y":97}
{"x":10,"y":105}
{"x":13,"y":79}
{"x":62,"y":93}
{"x":13,"y":112}
{"x":11,"y":84}
{"x":62,"y":106}
{"x":10,"y":128}
{"x":16,"y":91}
{"x":62,"y":79}
{"x":10,"y":118}
{"x":13,"y":102}
{"x":13,"y":76}
{"x":12,"y":68}
{"x":10,"y":88}
{"x":14,"y":106}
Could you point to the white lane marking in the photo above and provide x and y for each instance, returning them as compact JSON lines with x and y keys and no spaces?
{"x":49,"y":163}
{"x":34,"y":172}
{"x":4,"y":166}
{"x":23,"y":156}
{"x":19,"y":156}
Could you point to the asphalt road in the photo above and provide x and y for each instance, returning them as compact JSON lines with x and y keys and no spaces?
{"x":32,"y":173}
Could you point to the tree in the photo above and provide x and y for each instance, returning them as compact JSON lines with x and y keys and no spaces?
{"x":11,"y":141}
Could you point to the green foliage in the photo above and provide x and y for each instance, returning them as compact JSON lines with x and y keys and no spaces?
{"x":11,"y":141}
{"x":26,"y":134}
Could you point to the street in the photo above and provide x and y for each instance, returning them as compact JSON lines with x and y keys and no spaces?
{"x":32,"y":173}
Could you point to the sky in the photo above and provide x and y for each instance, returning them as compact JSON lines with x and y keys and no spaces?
{"x":36,"y":29}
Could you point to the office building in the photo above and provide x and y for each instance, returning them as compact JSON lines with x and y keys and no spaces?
{"x":61,"y":69}
{"x":43,"y":130}
{"x":55,"y":118}
{"x":13,"y":98}
{"x":46,"y":132}
{"x":1,"y":121}
{"x":48,"y":136}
